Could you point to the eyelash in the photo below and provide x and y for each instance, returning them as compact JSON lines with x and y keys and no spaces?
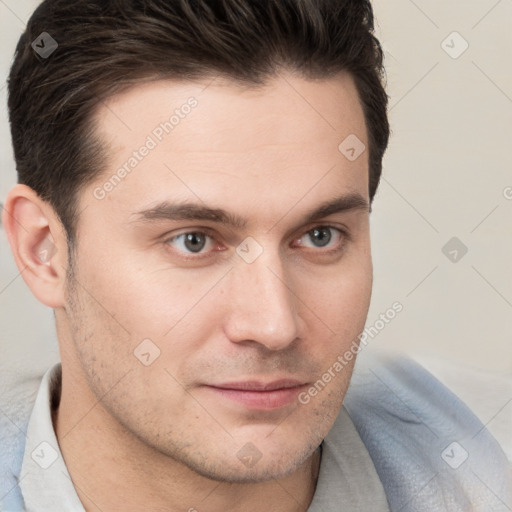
{"x":344,"y":236}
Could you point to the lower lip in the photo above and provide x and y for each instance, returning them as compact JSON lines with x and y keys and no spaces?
{"x":260,"y":400}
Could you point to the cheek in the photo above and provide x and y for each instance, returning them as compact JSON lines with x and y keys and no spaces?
{"x":342,"y":297}
{"x":149,"y":301}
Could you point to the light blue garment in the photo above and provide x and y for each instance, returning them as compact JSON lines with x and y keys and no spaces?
{"x":15,"y":407}
{"x":431,"y":453}
{"x":419,"y":434}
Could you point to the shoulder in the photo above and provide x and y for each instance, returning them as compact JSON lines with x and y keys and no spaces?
{"x":17,"y":396}
{"x":18,"y":391}
{"x":428,"y":447}
{"x":488,"y":394}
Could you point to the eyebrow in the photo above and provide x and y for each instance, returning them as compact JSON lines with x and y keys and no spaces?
{"x":196,"y":211}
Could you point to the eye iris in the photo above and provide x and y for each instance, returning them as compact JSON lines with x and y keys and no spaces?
{"x":321,"y":236}
{"x":194,"y":241}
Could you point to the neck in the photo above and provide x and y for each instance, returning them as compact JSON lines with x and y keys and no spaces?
{"x":101,"y":455}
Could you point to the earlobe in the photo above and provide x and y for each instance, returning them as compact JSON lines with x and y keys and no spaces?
{"x":38,"y":244}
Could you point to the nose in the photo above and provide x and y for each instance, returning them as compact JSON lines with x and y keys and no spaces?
{"x":263,"y":305}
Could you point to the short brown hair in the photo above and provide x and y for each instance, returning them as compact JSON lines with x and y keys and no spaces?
{"x":105,"y":46}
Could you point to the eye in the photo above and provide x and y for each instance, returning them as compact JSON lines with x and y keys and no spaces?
{"x":321,"y":237}
{"x":191,"y":242}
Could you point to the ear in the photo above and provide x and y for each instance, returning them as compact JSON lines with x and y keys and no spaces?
{"x":38,"y":242}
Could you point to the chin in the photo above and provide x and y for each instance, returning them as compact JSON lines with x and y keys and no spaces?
{"x":249,"y":464}
{"x":236,"y":473}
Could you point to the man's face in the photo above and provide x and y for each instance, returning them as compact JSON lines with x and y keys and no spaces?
{"x":175,"y":319}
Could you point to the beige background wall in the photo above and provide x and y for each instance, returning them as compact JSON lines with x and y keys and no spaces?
{"x":448,"y":173}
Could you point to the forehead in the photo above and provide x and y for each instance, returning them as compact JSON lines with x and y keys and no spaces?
{"x":325,"y":104}
{"x":213,"y":138}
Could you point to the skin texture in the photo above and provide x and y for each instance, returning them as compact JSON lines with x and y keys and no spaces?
{"x":155,"y":437}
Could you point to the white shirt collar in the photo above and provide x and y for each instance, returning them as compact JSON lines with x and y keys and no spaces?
{"x":45,"y":481}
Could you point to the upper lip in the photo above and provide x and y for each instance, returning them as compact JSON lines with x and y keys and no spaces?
{"x":256,"y":385}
